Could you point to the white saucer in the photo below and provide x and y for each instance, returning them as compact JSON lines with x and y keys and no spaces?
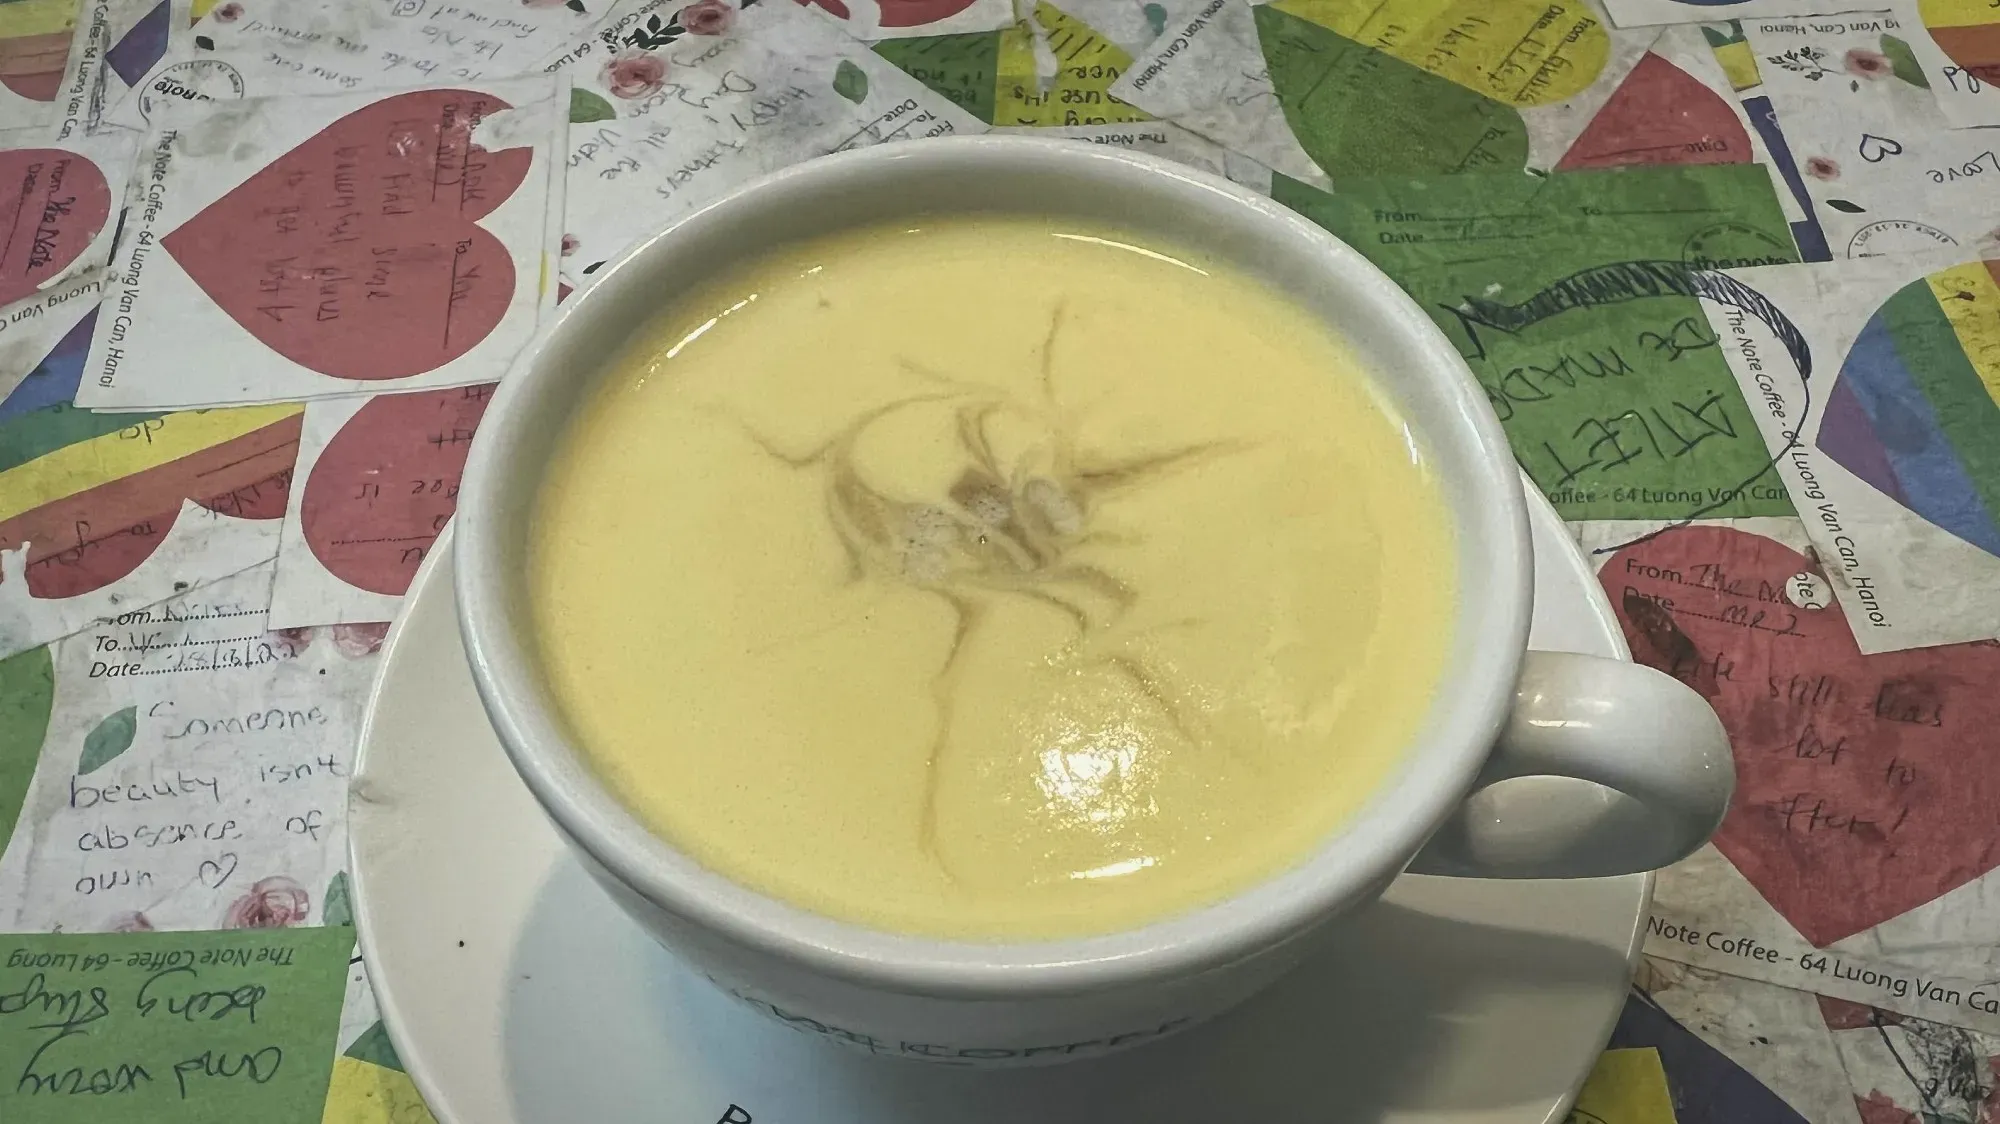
{"x":516,"y":993}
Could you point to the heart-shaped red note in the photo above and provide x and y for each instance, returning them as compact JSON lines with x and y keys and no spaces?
{"x":387,"y":483}
{"x":358,"y":254}
{"x":1866,"y":785}
{"x":57,"y":202}
{"x":1660,"y":114}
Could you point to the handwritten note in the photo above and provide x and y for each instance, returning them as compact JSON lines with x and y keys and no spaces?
{"x":269,"y":49}
{"x":1169,"y":142}
{"x":658,"y":130}
{"x":1572,"y":298}
{"x":193,"y":771}
{"x":1852,"y":860}
{"x":1952,"y":42}
{"x":117,"y":42}
{"x":1893,"y":467}
{"x":379,"y":481}
{"x":1643,"y":13}
{"x":379,"y":242}
{"x":1885,"y":170}
{"x":169,"y":1028}
{"x":1328,"y":90}
{"x":102,"y":512}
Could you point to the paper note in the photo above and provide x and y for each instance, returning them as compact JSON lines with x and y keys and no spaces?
{"x":1956,"y":43}
{"x":377,"y":481}
{"x":1168,"y":142}
{"x":1878,"y":404}
{"x":369,"y":1083}
{"x":1643,"y":13}
{"x":117,"y":43}
{"x":657,"y":131}
{"x":892,"y":19}
{"x":318,"y":246}
{"x":1885,"y":171}
{"x":101,"y":514}
{"x":1907,"y":1068}
{"x":59,"y":198}
{"x":365,"y":1093}
{"x":1734,"y":1049}
{"x":35,"y":37}
{"x":193,"y":771}
{"x":1326,"y":91}
{"x":169,"y":1028}
{"x":1676,"y":107}
{"x":1628,"y":1086}
{"x":264,"y":48}
{"x":1572,"y":298}
{"x":1854,"y":859}
{"x":1053,"y":68}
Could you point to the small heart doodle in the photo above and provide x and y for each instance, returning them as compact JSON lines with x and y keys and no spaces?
{"x":1876,"y":149}
{"x":214,"y":872}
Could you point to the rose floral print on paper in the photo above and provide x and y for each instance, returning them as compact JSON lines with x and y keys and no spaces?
{"x":707,"y":17}
{"x":276,"y":902}
{"x":133,"y":921}
{"x":634,"y":74}
{"x":1865,"y":63}
{"x":357,"y":640}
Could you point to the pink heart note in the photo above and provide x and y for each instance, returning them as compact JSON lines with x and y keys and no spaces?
{"x":1865,"y":785}
{"x":57,"y":202}
{"x":386,"y":484}
{"x":358,"y":254}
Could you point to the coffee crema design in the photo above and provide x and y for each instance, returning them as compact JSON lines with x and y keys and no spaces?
{"x":999,"y":529}
{"x":991,"y":579}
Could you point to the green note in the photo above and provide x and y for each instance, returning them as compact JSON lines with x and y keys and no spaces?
{"x":1360,"y":112}
{"x":170,"y":1028}
{"x":961,"y":67}
{"x":27,"y":697}
{"x":1569,"y":296}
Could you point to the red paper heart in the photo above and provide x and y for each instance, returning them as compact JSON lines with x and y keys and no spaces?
{"x":387,"y":483}
{"x":1660,"y":114}
{"x":57,"y":202}
{"x":358,"y":254}
{"x":1866,"y":785}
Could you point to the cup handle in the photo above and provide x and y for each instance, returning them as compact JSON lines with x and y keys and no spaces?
{"x":1634,"y":730}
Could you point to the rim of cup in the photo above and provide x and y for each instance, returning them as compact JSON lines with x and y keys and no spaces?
{"x":1475,"y":467}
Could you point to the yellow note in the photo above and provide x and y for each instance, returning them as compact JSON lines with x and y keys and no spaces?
{"x":1971,"y":301}
{"x":366,"y":1093}
{"x":1518,"y":52}
{"x":1957,"y":13}
{"x":1739,"y":62}
{"x":114,"y":456}
{"x":23,"y":18}
{"x":1087,"y":64}
{"x":1625,"y":1087}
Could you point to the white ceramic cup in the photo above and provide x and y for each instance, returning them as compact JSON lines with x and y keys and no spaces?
{"x":1500,"y":713}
